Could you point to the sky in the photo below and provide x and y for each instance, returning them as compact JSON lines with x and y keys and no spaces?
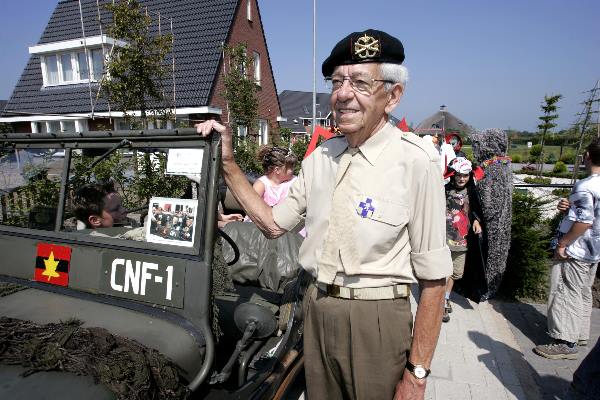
{"x":490,"y":62}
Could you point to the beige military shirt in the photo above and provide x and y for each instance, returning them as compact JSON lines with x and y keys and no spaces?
{"x":397,"y":209}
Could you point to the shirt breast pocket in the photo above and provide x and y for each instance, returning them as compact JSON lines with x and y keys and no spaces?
{"x":389,"y":212}
{"x":382,"y":223}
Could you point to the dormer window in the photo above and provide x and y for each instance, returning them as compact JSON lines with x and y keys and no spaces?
{"x":73,"y":61}
{"x":72,"y":67}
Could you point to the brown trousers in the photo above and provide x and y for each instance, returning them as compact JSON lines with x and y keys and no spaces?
{"x":354,"y":349}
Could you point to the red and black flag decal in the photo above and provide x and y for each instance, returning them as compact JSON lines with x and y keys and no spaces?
{"x":52,"y":264}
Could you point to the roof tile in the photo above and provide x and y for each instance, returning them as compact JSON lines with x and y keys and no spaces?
{"x":199,"y":28}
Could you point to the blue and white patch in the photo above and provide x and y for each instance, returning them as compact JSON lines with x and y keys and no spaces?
{"x":366,"y":208}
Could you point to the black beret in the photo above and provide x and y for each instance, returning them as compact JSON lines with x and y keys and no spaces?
{"x":364,"y":47}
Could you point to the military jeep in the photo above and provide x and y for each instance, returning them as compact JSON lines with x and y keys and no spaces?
{"x":158,"y":307}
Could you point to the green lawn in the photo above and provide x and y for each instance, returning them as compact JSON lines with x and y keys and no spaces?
{"x":522,"y":152}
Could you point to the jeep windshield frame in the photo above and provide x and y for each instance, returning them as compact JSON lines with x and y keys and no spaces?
{"x":185,"y":138}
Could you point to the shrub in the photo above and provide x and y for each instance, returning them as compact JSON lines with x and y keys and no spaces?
{"x":537,"y":180}
{"x":535,"y":150}
{"x":568,"y":157}
{"x":526,"y":269}
{"x":469,"y":153}
{"x":551,"y":158}
{"x":245,"y":156}
{"x":562,"y":192}
{"x":516,"y":158}
{"x":559,"y":167}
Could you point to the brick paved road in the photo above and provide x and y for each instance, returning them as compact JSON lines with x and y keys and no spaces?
{"x":485,"y":352}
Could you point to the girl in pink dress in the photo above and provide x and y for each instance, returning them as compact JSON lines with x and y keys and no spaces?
{"x":278,"y":165}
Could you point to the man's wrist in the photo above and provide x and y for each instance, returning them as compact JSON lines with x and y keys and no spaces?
{"x":419,"y":371}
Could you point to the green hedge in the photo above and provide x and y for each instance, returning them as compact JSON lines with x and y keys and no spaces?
{"x":537,"y":180}
{"x":552,"y":174}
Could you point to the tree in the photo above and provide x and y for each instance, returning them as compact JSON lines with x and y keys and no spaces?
{"x":526,"y":266}
{"x":6,"y":128}
{"x":549,"y":108}
{"x":240,"y":90}
{"x":535,"y":153}
{"x":135,"y":72}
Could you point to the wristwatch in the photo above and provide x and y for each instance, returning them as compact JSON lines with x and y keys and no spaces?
{"x":418,"y":371}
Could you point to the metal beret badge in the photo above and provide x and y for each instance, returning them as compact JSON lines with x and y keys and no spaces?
{"x":366,"y":47}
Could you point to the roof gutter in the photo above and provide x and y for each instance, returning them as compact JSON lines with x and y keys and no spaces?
{"x":75,"y":44}
{"x":113,"y":114}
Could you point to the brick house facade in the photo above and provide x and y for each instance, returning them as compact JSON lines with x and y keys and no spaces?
{"x":42,"y":102}
{"x":251,"y":33}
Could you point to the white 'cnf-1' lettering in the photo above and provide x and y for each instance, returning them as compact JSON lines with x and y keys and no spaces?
{"x":137,"y":274}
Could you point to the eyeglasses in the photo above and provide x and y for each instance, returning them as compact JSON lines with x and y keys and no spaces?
{"x":358,"y":84}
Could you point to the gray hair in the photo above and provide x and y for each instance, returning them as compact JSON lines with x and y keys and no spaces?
{"x":395,"y":73}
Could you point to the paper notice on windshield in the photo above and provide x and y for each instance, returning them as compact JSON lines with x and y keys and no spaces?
{"x":184,"y":161}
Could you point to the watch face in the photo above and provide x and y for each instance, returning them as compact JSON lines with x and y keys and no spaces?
{"x":420,"y":372}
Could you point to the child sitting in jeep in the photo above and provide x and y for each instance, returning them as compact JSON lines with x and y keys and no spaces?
{"x":99,"y":206}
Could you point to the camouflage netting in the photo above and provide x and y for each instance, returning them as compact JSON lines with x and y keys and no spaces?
{"x":127,"y":368}
{"x":221,"y":283}
{"x":496,"y":201}
{"x":7,"y":289}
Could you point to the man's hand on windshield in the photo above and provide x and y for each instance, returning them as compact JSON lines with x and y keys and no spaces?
{"x":206,"y":127}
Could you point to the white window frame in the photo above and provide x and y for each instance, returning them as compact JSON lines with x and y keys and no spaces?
{"x":256,"y":60}
{"x":80,"y":125}
{"x":249,"y":10}
{"x":243,"y":67}
{"x":45,"y":71}
{"x":93,"y":75}
{"x":242,"y":131}
{"x":64,"y":125}
{"x":53,"y":124}
{"x":263,"y":132}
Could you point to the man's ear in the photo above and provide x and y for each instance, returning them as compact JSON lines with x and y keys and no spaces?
{"x":394,"y":96}
{"x":95,"y":221}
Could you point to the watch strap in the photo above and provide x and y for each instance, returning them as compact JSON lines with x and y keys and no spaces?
{"x":411,"y":368}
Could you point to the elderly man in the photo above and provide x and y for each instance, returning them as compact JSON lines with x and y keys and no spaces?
{"x":372,"y":201}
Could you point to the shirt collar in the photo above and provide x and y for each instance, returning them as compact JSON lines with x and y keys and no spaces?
{"x":372,"y":148}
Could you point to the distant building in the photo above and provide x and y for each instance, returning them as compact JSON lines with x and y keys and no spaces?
{"x":443,"y":122}
{"x":58,"y":88}
{"x":4,"y":127}
{"x":296,"y":108}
